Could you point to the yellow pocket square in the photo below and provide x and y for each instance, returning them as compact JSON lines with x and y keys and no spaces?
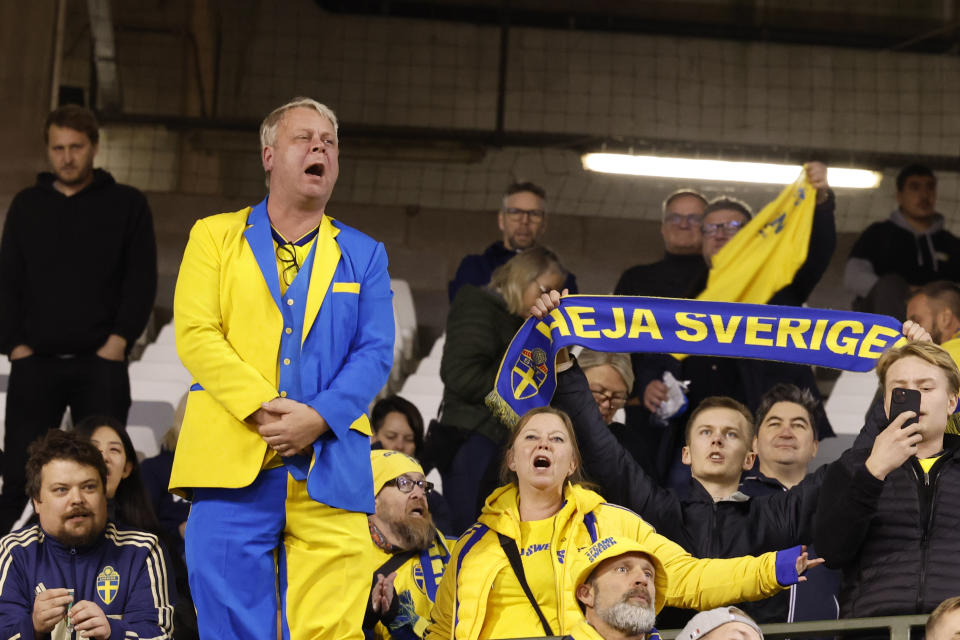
{"x":346,"y":287}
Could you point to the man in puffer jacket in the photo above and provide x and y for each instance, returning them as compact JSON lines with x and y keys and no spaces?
{"x":894,"y":510}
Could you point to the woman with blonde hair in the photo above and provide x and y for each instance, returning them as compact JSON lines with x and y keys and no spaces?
{"x":480,"y":326}
{"x":507,"y":575}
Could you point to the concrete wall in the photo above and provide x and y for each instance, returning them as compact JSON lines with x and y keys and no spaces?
{"x":431,"y":203}
{"x":26,"y":55}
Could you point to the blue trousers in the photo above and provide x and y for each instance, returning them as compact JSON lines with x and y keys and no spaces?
{"x":268,"y":548}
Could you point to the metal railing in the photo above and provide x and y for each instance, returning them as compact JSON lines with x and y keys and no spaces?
{"x":897,"y":626}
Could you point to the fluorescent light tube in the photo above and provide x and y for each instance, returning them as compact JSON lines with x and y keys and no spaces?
{"x":724,"y":170}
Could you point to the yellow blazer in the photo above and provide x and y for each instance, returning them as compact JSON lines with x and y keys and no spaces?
{"x":228,"y":330}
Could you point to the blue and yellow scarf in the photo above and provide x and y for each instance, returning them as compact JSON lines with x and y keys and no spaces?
{"x":824,"y":337}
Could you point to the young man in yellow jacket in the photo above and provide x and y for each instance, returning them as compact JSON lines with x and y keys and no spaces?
{"x":284,"y":318}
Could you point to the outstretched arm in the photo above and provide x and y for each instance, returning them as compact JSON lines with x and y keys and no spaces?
{"x":605,"y":461}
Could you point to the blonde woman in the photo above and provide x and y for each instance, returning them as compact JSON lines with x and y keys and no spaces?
{"x":480,"y":326}
{"x":541,"y":517}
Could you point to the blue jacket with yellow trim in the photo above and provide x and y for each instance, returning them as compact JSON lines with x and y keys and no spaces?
{"x":124,"y":573}
{"x":229,"y":329}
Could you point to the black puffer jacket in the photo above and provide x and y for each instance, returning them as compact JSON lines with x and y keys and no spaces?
{"x":896,"y":540}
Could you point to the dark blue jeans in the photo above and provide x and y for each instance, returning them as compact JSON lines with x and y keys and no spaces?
{"x":462,"y":483}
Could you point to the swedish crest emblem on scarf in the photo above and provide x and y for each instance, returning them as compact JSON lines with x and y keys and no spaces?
{"x":529,"y":373}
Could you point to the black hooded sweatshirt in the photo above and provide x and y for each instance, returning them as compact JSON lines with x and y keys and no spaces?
{"x":75,"y":269}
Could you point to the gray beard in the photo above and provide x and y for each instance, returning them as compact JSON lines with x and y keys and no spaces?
{"x":630,"y":619}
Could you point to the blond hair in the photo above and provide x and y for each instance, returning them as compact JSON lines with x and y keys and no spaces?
{"x":945,"y":607}
{"x":508,"y":476}
{"x":926,"y":351}
{"x":513,"y":277}
{"x":270,"y":124}
{"x":588,"y":359}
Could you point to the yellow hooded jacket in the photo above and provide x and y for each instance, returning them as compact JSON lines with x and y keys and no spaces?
{"x":478,"y":559}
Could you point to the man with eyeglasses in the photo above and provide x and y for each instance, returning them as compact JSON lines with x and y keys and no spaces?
{"x":522,"y":220}
{"x":673,"y":276}
{"x":724,"y":217}
{"x":408,"y":554}
{"x":742,"y":379}
{"x":682,"y":263}
{"x":284,"y":319}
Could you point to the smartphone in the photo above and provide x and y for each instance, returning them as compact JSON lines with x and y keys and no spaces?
{"x":904,"y":400}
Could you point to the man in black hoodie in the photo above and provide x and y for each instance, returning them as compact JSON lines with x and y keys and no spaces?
{"x":911,"y":248}
{"x":78,"y":276}
{"x":713,"y":518}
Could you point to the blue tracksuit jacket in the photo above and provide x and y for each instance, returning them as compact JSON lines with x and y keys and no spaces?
{"x":124,"y":573}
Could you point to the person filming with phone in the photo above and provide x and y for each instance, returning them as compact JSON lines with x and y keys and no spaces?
{"x":889,"y":514}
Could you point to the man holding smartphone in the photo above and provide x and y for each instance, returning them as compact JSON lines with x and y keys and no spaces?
{"x":890,"y":513}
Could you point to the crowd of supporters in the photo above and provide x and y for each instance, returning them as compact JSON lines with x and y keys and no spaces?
{"x":606,"y":515}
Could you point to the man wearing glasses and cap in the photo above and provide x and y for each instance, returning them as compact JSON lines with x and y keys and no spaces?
{"x":409,"y":554}
{"x":522,"y":220}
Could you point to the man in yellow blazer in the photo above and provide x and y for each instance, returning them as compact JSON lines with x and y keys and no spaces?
{"x":284,"y":318}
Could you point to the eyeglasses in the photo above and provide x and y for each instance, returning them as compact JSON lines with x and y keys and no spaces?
{"x":287,"y":256}
{"x":616,"y":399}
{"x":514,"y":213}
{"x":406,"y":485}
{"x":678,"y":219}
{"x":729,"y":228}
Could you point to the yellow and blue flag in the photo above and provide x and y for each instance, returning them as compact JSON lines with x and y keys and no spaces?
{"x":765,"y":255}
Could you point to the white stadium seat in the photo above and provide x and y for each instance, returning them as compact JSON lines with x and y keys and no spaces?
{"x":145,"y":441}
{"x":160,"y":371}
{"x":849,"y":400}
{"x":417,"y":383}
{"x":426,"y":403}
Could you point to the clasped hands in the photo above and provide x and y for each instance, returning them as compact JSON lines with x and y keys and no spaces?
{"x":289,"y":427}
